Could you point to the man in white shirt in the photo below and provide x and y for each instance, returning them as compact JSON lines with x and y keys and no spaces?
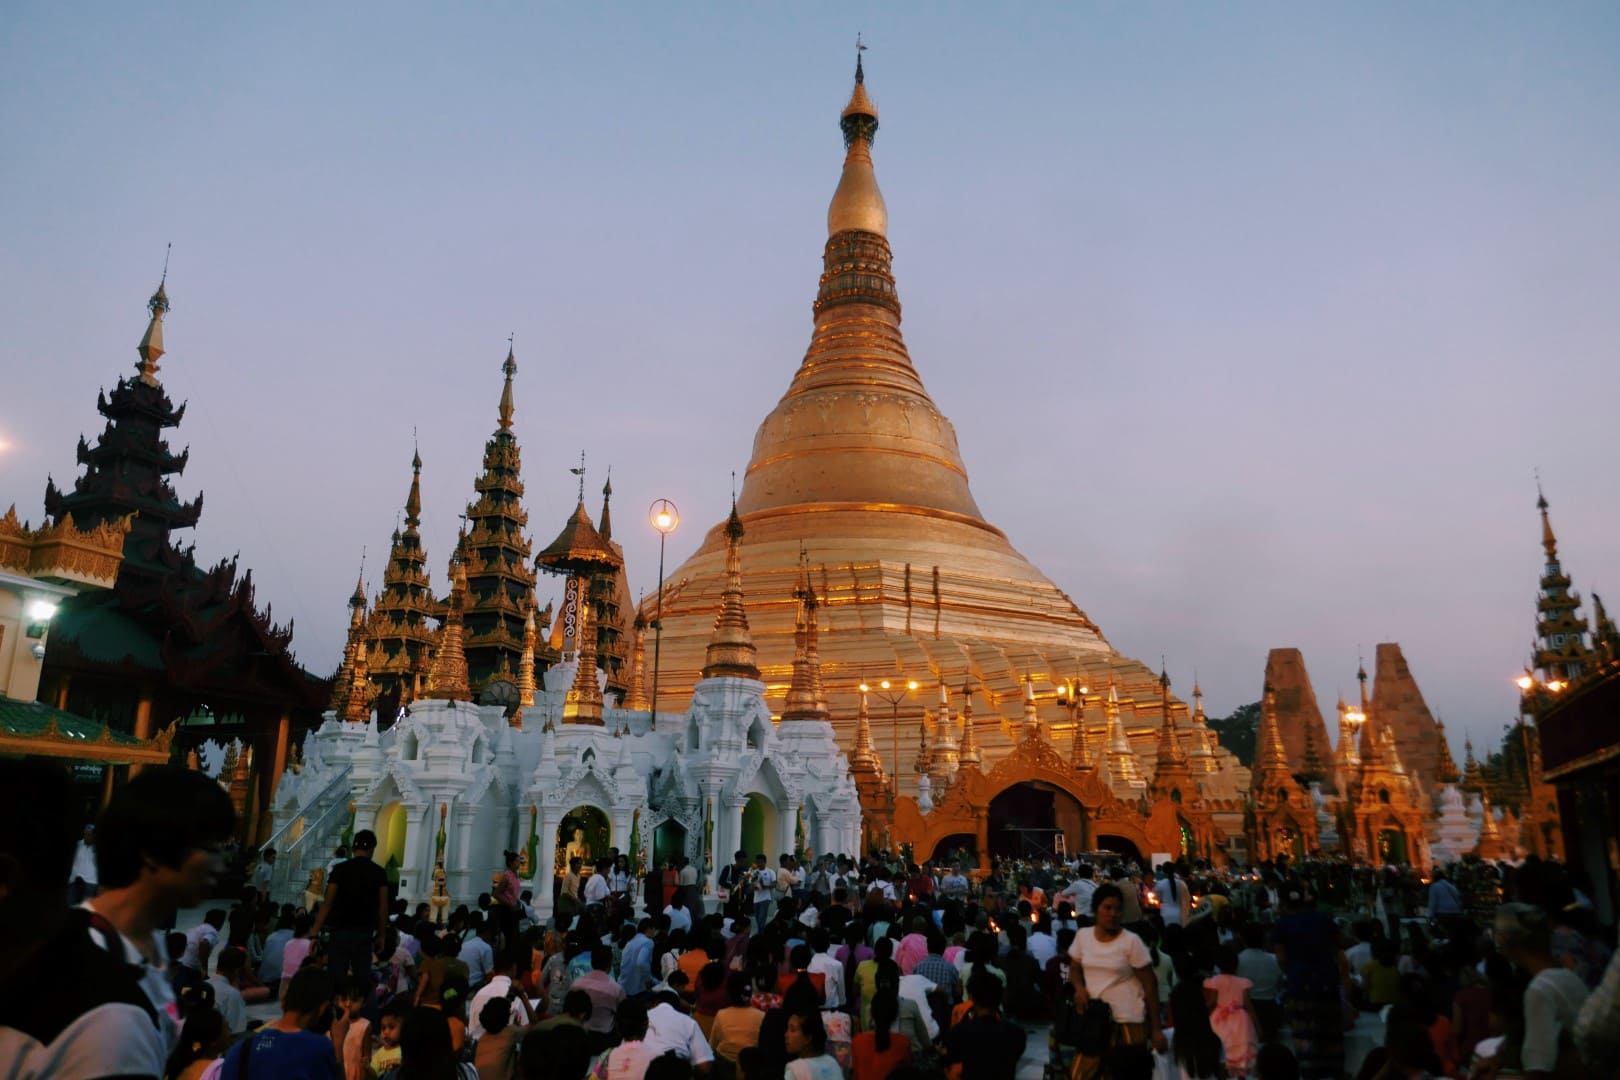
{"x":1042,"y":942}
{"x":679,"y":917}
{"x":823,"y":963}
{"x":226,"y":982}
{"x":1080,"y":889}
{"x":201,"y":941}
{"x":914,"y":987}
{"x":597,"y":888}
{"x":499,"y":986}
{"x":670,"y":1029}
{"x":764,"y":891}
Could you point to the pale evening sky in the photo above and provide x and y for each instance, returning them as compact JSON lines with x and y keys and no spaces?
{"x":1253,"y":320}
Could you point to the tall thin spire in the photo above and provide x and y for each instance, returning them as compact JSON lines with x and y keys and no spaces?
{"x":151,"y":346}
{"x":864,"y":757}
{"x":857,"y":204}
{"x":947,"y":751}
{"x":401,"y":635}
{"x":447,"y":679}
{"x":1561,"y":653}
{"x":806,"y":700}
{"x":731,"y":651}
{"x":969,"y":756}
{"x":525,"y":673}
{"x":605,"y":529}
{"x":1273,"y":757}
{"x":509,"y":369}
{"x":1170,"y":750}
{"x":1447,"y":772}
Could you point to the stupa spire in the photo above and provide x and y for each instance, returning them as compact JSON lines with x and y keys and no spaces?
{"x":151,"y":346}
{"x":1170,"y":751}
{"x":605,"y":529}
{"x":636,"y":697}
{"x":947,"y":751}
{"x":857,"y":204}
{"x":447,"y":679}
{"x":525,"y":672}
{"x":509,"y":369}
{"x":399,"y":624}
{"x":970,"y":756}
{"x":1446,"y":773}
{"x":1471,"y":778}
{"x":863,"y":758}
{"x":805,"y":697}
{"x":731,"y":650}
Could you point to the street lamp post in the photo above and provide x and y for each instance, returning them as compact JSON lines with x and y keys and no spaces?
{"x":664,"y":518}
{"x":1071,"y":695}
{"x":894,"y":694}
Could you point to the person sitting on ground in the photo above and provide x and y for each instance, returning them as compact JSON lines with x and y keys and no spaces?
{"x":495,"y":1053}
{"x":737,"y":1025}
{"x":881,"y":1050}
{"x":288,"y":1048}
{"x":295,"y":952}
{"x":630,"y":1058}
{"x":226,"y":981}
{"x":426,"y":1050}
{"x":203,"y":1038}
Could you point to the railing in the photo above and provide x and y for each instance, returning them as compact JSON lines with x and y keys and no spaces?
{"x":288,"y":874}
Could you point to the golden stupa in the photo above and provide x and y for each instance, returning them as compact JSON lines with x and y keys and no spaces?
{"x":858,"y":469}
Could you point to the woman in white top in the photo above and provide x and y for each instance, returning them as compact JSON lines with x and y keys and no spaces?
{"x":1112,"y":964}
{"x":806,"y":1040}
{"x":1175,"y":900}
{"x":1552,"y":1000}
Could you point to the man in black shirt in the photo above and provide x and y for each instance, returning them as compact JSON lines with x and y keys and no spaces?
{"x":356,"y":908}
{"x":985,"y":1045}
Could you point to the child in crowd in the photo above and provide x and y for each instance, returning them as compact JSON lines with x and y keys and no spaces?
{"x":387,"y":1054}
{"x":351,"y":1032}
{"x":1230,"y":1013}
{"x":1198,"y":1051}
{"x":296,"y":951}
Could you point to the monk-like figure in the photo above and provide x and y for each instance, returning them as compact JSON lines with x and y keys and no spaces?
{"x":577,"y":848}
{"x":440,"y":900}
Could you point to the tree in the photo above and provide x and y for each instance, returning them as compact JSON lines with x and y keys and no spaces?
{"x":1238,"y":731}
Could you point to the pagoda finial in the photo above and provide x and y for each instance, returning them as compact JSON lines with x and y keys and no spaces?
{"x":605,"y":529}
{"x":413,"y":501}
{"x":1549,"y":542}
{"x":731,"y":649}
{"x":151,"y":346}
{"x":1445,"y":769}
{"x":1170,"y":751}
{"x":358,"y":600}
{"x":447,"y":678}
{"x":806,"y":700}
{"x":580,"y":473}
{"x":858,"y":204}
{"x":509,"y":369}
{"x":970,"y":755}
{"x":525,"y":672}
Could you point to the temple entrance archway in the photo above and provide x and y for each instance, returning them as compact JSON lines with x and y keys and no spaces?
{"x":1120,"y":844}
{"x":669,"y":843}
{"x":390,"y":830}
{"x":1027,"y":819}
{"x":584,"y":833}
{"x":759,"y":828}
{"x":957,"y":849}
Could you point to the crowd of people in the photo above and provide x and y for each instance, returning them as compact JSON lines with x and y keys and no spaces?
{"x":829,"y":969}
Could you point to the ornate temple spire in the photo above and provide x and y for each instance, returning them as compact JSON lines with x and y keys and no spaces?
{"x":806,"y":700}
{"x":863,"y":759}
{"x":1272,"y":756}
{"x":857,"y":204}
{"x":1605,"y":638}
{"x":1312,"y":769}
{"x":1447,"y":772}
{"x":1202,"y":757}
{"x":606,"y":527}
{"x":970,"y":756}
{"x":925,"y":750}
{"x":583,"y":702}
{"x":636,"y":696}
{"x":1119,"y":758}
{"x":1561,"y":653}
{"x":731,"y":652}
{"x":1472,"y":780}
{"x":343,"y":682}
{"x":525,"y":673}
{"x":509,"y":369}
{"x":151,"y":346}
{"x":401,"y":641}
{"x":1032,"y":714}
{"x":447,"y":678}
{"x":1170,"y":749}
{"x":499,"y":579}
{"x":947,"y":752}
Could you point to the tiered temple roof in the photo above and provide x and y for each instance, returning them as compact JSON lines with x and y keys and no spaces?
{"x":400,"y":639}
{"x":500,"y":582}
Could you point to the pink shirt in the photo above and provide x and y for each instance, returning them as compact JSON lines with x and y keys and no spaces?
{"x":912,"y":951}
{"x":294,"y":955}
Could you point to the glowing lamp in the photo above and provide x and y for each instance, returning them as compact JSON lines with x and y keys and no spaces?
{"x":41,"y":610}
{"x":1525,"y":682}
